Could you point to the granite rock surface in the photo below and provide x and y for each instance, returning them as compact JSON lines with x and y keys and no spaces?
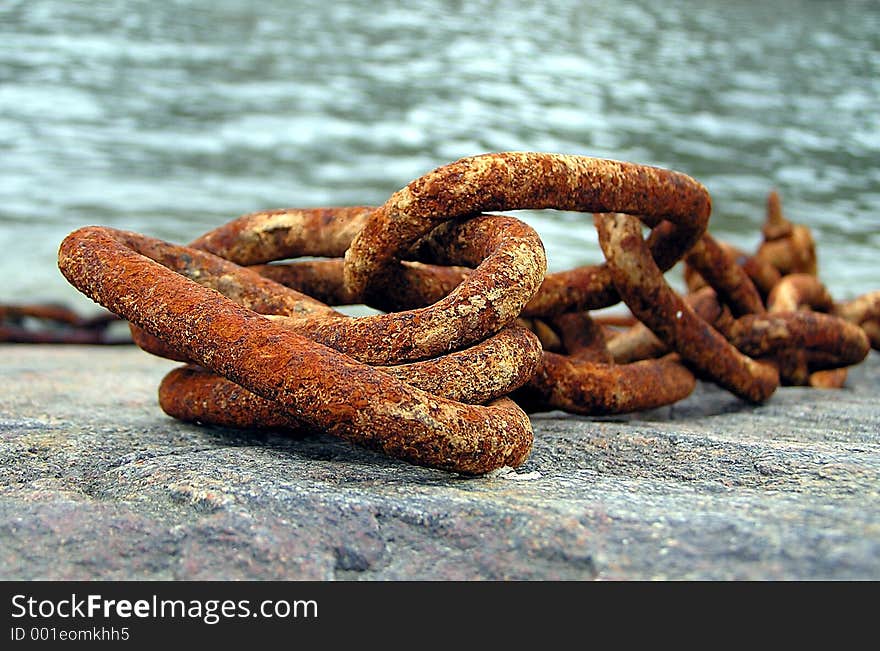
{"x":96,"y":482}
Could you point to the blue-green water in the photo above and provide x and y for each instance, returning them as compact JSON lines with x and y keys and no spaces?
{"x":171,"y":118}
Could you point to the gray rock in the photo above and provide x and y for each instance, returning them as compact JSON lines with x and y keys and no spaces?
{"x":96,"y":482}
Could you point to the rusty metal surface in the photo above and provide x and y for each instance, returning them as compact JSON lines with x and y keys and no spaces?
{"x":718,"y":267}
{"x":645,"y":291}
{"x":470,"y":323}
{"x":489,"y":370}
{"x":314,"y":383}
{"x":788,"y":247}
{"x":863,"y":310}
{"x":43,"y":323}
{"x":521,"y":180}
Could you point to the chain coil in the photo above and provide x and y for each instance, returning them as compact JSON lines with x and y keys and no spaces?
{"x":471,"y":332}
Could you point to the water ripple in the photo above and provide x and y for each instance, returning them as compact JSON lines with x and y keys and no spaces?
{"x":170,"y":117}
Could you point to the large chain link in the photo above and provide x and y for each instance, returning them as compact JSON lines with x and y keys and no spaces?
{"x":469,"y":328}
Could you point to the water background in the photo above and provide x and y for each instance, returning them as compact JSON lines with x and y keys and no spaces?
{"x":170,"y":117}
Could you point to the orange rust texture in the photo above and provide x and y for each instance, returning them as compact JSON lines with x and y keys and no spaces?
{"x":872,"y":329}
{"x":833,"y":378}
{"x":489,"y":299}
{"x":418,"y":285}
{"x":463,"y":243}
{"x":788,"y":247}
{"x":635,"y":343}
{"x":587,"y":381}
{"x":799,"y":291}
{"x":428,"y":381}
{"x":719,"y":269}
{"x":798,"y":341}
{"x":489,"y":370}
{"x":763,"y":275}
{"x":196,"y":395}
{"x":53,"y":324}
{"x":311,"y":382}
{"x":784,"y":271}
{"x":582,"y":337}
{"x":865,"y":311}
{"x":643,"y":288}
{"x":526,"y":180}
{"x":593,"y":388}
{"x":265,"y":236}
{"x":842,"y":343}
{"x":271,"y":236}
{"x":858,"y":310}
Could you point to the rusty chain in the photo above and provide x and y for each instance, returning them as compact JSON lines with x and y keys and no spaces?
{"x":470,"y":330}
{"x":47,"y":323}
